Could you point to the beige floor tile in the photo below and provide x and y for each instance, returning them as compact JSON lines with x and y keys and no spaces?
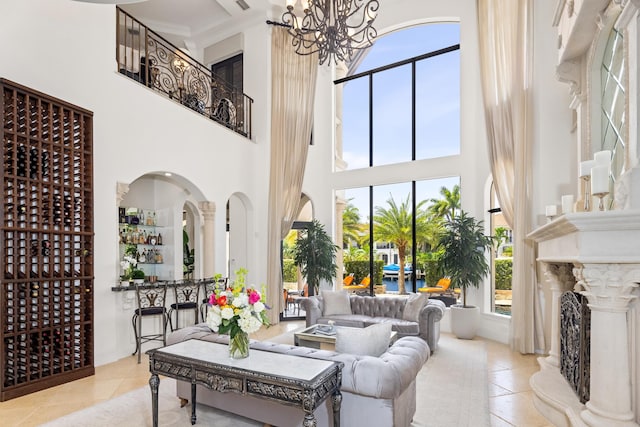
{"x":128,"y":385}
{"x":51,"y":412}
{"x":517,"y":409}
{"x":514,"y":380}
{"x":100,"y":390}
{"x":499,"y":422}
{"x":496,"y":390}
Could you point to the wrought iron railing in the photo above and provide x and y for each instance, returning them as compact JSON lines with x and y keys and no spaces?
{"x":148,"y":58}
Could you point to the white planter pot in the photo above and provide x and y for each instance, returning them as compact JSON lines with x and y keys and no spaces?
{"x":464,"y":321}
{"x":138,"y":281}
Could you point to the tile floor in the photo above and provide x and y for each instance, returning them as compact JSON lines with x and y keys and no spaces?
{"x":509,"y":393}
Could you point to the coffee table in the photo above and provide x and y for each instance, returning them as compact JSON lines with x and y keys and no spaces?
{"x":287,"y":379}
{"x":314,"y":337}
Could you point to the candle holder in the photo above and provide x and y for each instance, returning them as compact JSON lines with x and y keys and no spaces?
{"x":587,"y":192}
{"x":601,"y":196}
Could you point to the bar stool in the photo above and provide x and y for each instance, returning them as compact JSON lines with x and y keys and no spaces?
{"x":209,"y":287}
{"x":186,"y":298}
{"x":151,"y":300}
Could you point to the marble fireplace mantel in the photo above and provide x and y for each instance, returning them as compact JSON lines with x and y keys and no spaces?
{"x":597,"y":254}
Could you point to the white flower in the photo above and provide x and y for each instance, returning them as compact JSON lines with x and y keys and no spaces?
{"x":227,"y":313}
{"x":214,"y":319}
{"x":258,"y":307}
{"x":249,"y":324}
{"x":131,"y":260}
{"x":245,"y":312}
{"x":241,"y":300}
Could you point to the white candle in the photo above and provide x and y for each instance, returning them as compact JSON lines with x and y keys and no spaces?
{"x":600,"y":179}
{"x":602,"y":157}
{"x":551,"y":210}
{"x":585,"y":167}
{"x":567,"y":204}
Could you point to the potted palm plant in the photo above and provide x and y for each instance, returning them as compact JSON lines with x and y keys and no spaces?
{"x":315,"y":254}
{"x":464,"y":260}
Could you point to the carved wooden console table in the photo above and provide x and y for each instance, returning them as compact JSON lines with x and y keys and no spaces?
{"x":287,"y":379}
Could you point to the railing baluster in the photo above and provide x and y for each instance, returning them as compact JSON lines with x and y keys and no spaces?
{"x":178,"y":76}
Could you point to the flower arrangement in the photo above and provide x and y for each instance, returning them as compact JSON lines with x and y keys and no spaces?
{"x":238,"y":310}
{"x":129,"y":263}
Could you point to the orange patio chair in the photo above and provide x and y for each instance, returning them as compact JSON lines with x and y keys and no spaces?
{"x":364,"y":284}
{"x":441,"y":288}
{"x":348,"y":280}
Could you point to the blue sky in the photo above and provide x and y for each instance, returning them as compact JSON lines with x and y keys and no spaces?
{"x":437,"y":110}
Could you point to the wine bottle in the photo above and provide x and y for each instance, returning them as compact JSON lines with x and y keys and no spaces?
{"x":33,"y":163}
{"x":159,"y":239}
{"x":22,"y":161}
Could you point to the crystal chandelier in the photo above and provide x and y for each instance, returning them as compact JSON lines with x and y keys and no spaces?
{"x":333,"y":28}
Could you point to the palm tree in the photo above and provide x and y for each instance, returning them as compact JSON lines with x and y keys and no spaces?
{"x":448,"y":206}
{"x":433,"y":231}
{"x":395,"y":224}
{"x":355,"y":254}
{"x":351,"y":230}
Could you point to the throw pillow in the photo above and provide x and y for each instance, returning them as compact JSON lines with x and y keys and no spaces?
{"x":370,"y":341}
{"x":335,"y":302}
{"x":414,"y":305}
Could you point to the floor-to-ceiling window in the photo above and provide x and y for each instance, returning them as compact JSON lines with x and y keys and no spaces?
{"x":401,"y":105}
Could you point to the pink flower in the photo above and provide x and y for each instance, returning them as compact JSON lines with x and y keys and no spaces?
{"x":254,"y":297}
{"x":212,"y":299}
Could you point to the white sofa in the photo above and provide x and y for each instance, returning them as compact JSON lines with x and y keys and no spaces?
{"x":368,"y":310}
{"x":376,"y":391}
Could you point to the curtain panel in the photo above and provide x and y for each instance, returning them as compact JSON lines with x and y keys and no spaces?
{"x":293,"y":85}
{"x":505,"y":38}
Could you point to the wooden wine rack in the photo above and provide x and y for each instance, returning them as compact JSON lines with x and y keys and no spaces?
{"x":46,"y":242}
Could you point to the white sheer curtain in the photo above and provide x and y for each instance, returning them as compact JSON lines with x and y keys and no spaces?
{"x":293,"y":82}
{"x":505,"y":38}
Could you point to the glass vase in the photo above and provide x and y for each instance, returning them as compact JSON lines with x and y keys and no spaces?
{"x":239,"y":345}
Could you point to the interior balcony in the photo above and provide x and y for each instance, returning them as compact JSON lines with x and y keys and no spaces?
{"x":151,"y":60}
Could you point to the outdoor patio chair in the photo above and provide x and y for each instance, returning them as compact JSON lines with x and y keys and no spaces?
{"x":441,"y":288}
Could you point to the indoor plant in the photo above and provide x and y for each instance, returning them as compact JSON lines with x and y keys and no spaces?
{"x":463,"y":259}
{"x":238,"y":310}
{"x":315,"y":254}
{"x":137,"y":275}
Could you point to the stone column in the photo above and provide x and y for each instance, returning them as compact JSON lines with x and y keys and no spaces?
{"x":560,"y":279}
{"x":608,"y":289}
{"x":208,"y":210}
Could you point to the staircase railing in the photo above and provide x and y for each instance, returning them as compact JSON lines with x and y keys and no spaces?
{"x":150,"y":59}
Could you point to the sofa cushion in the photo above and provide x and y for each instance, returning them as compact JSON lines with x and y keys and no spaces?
{"x":370,"y":341}
{"x":336,"y":302}
{"x":402,"y":327}
{"x":414,"y":305}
